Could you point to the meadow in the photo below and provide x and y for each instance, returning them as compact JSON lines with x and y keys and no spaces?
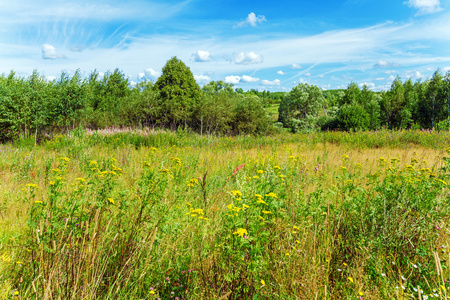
{"x":154,"y":214}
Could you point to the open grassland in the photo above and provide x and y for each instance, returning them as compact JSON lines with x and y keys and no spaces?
{"x":148,"y":215}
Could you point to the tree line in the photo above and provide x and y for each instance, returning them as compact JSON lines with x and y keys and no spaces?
{"x":408,"y":104}
{"x":36,"y":107}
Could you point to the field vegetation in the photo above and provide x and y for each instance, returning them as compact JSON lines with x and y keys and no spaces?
{"x":148,"y":214}
{"x":165,"y":190}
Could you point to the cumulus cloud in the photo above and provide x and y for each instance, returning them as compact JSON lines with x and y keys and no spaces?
{"x":151,"y":74}
{"x":308,"y":74}
{"x":202,"y":78}
{"x":201,"y":56}
{"x":384,"y":64}
{"x":49,"y":52}
{"x":295,"y":66}
{"x":268,"y":82}
{"x":413,"y":74}
{"x":246,"y":78}
{"x":425,"y":6}
{"x":232,"y":79}
{"x":247,"y":58}
{"x":370,"y":85}
{"x":252,"y":20}
{"x":280,"y":72}
{"x":446,"y":69}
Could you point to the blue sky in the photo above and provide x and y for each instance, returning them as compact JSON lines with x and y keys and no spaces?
{"x":271,"y":45}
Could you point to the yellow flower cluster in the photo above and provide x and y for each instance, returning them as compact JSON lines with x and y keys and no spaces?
{"x":241,"y":232}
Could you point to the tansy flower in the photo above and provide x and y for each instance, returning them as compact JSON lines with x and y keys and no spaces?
{"x":236,"y":193}
{"x":241,"y":232}
{"x":261,"y":201}
{"x":260,"y":172}
{"x":263,"y":282}
{"x":350,"y":279}
{"x":273,"y":195}
{"x":111,"y":200}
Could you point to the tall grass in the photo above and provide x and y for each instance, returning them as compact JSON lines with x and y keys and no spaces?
{"x":136,"y":215}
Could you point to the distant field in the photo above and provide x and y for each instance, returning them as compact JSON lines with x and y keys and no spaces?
{"x":129,"y":214}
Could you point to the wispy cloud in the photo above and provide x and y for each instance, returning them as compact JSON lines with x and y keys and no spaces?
{"x":385,"y":64}
{"x":271,"y":83}
{"x":425,"y":6}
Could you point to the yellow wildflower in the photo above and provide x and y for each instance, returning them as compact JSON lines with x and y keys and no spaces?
{"x":273,"y":195}
{"x":236,"y":193}
{"x":260,"y":172}
{"x":111,"y":200}
{"x":241,"y":232}
{"x":263,"y":282}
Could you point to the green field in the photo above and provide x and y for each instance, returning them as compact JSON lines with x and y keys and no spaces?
{"x":175,"y":215}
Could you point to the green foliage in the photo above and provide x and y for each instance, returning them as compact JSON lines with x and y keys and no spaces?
{"x":352,"y":117}
{"x":300,"y":107}
{"x":179,"y":93}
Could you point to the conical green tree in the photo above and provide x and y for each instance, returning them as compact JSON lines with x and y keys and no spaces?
{"x":179,"y":93}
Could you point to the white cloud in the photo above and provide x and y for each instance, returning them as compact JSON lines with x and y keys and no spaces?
{"x":425,"y":6}
{"x":246,"y":58}
{"x":280,"y":72}
{"x":391,"y":78}
{"x":413,"y":74}
{"x":49,"y":52}
{"x":202,"y":79}
{"x":246,"y":78}
{"x":446,"y":69}
{"x":370,"y":85}
{"x":51,"y":78}
{"x":151,"y":74}
{"x":390,"y":72}
{"x":201,"y":56}
{"x":385,"y":64}
{"x":232,"y":79}
{"x":380,"y":78}
{"x":252,"y":20}
{"x":268,"y":82}
{"x":308,"y":74}
{"x":296,"y":66}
